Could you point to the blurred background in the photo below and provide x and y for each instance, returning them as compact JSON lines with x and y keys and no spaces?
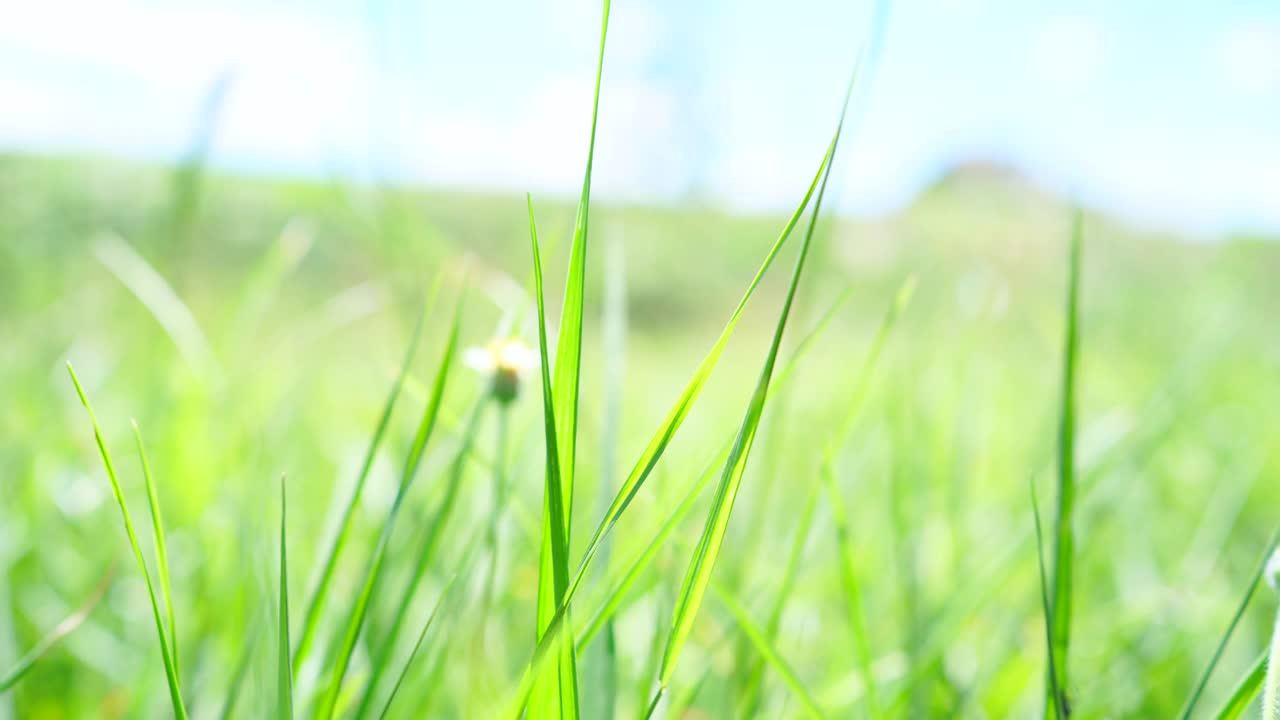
{"x":226,"y":215}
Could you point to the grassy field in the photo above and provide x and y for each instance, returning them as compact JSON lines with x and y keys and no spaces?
{"x":880,"y":557}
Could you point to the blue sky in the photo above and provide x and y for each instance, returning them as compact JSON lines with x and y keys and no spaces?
{"x":1166,"y":113}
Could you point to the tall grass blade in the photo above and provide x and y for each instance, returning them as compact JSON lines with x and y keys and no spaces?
{"x":556,"y":690}
{"x":698,"y":575}
{"x":175,"y":688}
{"x":381,"y":656}
{"x":852,"y":589}
{"x":284,"y":671}
{"x":1190,"y":705}
{"x":1063,"y":533}
{"x":417,"y":647}
{"x":373,"y":572}
{"x":564,"y":702}
{"x":311,"y":619}
{"x":1055,"y":699}
{"x":768,"y":651}
{"x":64,"y":628}
{"x":162,"y":301}
{"x":162,"y":552}
{"x":238,"y":676}
{"x":755,"y":674}
{"x":1245,"y":691}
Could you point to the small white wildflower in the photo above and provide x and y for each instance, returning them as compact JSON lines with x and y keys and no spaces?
{"x":505,"y":360}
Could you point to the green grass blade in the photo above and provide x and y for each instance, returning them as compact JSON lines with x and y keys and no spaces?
{"x":1055,"y":698}
{"x":162,"y":552}
{"x":64,"y":628}
{"x":556,"y":690}
{"x":417,"y":646}
{"x":284,"y":670}
{"x":852,"y":589}
{"x":373,"y":573}
{"x":238,"y":676}
{"x":755,"y":674}
{"x":564,"y":702}
{"x":311,"y":619}
{"x":698,"y":575}
{"x":1190,"y":705}
{"x":768,"y":651}
{"x":161,"y":301}
{"x":175,"y":688}
{"x":381,"y":656}
{"x":1063,"y":533}
{"x":1245,"y":691}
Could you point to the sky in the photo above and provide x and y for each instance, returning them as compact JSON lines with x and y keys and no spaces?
{"x":1165,"y":113}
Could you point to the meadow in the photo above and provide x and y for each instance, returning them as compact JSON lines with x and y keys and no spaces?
{"x":823,"y":510}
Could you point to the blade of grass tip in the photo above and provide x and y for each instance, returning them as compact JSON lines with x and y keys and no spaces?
{"x":767,"y":650}
{"x":311,"y":619}
{"x":175,"y":689}
{"x":284,"y":670}
{"x":852,"y":589}
{"x":1064,"y":535}
{"x":381,"y":656}
{"x":1245,"y":691}
{"x":558,"y":698}
{"x":373,"y":573}
{"x":1231,"y":628}
{"x":1054,"y":699}
{"x":162,"y":553}
{"x":698,"y":575}
{"x":64,"y":628}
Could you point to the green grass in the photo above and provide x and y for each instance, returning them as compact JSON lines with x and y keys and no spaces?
{"x":861,"y":523}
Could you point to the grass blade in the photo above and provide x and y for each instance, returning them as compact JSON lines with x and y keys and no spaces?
{"x":852,"y":588}
{"x":1245,"y":691}
{"x":1055,"y":700}
{"x":564,"y":702}
{"x":556,"y":690}
{"x":768,"y":651}
{"x":61,"y":630}
{"x":238,"y":676}
{"x":1226,"y":636}
{"x":417,"y":646}
{"x":1064,"y":535}
{"x":175,"y":688}
{"x":311,"y":619}
{"x":698,"y":575}
{"x":382,"y":654}
{"x":373,"y":573}
{"x":284,"y":671}
{"x":162,"y":552}
{"x":755,"y":674}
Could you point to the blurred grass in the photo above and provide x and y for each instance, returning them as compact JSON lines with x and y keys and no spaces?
{"x":1175,"y":458}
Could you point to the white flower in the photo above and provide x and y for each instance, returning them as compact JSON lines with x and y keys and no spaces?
{"x":505,"y":360}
